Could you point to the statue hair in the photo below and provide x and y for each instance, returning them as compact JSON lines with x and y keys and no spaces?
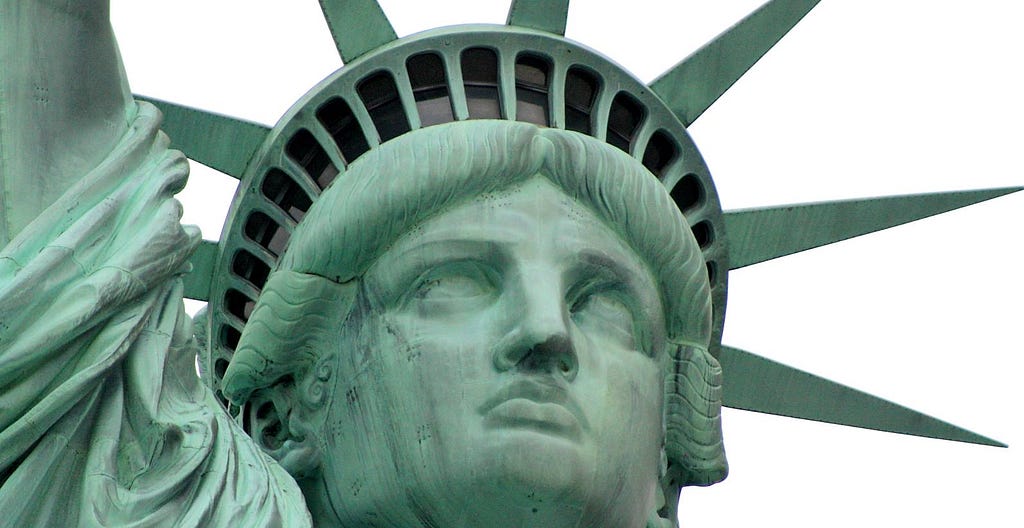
{"x":394,"y":188}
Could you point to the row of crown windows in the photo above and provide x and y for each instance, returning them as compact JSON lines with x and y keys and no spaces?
{"x":379,"y":96}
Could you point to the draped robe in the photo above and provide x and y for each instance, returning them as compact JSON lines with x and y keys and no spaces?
{"x":103,"y":419}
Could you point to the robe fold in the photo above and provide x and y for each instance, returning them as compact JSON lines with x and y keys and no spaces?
{"x":103,"y":420}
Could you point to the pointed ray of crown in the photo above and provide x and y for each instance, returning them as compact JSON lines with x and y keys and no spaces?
{"x":526,"y":71}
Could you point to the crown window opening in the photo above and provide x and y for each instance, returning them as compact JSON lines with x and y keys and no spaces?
{"x":337,"y":118}
{"x":264,"y":231}
{"x":688,"y":193}
{"x":712,"y":268}
{"x":247,"y":417}
{"x":533,"y":74}
{"x":430,"y":89}
{"x":661,"y":151}
{"x":480,"y":75}
{"x":380,"y":97}
{"x":623,"y":120}
{"x":238,"y":304}
{"x":229,"y":338}
{"x":251,"y":269}
{"x":304,"y":149}
{"x":279,"y":188}
{"x":704,"y":234}
{"x":581,"y":87}
{"x":220,"y":367}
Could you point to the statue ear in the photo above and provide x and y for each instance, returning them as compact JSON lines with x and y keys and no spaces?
{"x":279,"y":421}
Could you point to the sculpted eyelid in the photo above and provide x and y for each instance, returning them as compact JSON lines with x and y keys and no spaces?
{"x":466,"y":266}
{"x":433,"y":255}
{"x":450,"y":267}
{"x":598,"y":275}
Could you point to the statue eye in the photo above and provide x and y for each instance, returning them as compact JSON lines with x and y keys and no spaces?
{"x":604,"y":314}
{"x":459,"y":282}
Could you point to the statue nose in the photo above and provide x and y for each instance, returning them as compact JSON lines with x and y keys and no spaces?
{"x":555,"y":356}
{"x":540,"y":343}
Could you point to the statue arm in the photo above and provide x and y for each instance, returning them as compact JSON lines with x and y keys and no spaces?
{"x":64,"y":101}
{"x":103,"y":420}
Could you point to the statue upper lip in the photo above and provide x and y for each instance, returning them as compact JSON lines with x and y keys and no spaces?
{"x":553,"y":408}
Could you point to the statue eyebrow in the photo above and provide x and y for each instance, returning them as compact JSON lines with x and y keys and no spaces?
{"x":636,"y":287}
{"x":601,"y":263}
{"x":451,"y":249}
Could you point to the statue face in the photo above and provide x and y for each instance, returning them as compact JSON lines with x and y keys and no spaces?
{"x":505,"y":369}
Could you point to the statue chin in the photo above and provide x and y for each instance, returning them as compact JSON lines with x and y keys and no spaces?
{"x":532,"y":478}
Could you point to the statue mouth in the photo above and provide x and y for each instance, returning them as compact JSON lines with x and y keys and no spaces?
{"x":540,"y":405}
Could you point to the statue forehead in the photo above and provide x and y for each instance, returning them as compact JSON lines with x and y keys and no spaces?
{"x":534,"y":208}
{"x":535,"y":219}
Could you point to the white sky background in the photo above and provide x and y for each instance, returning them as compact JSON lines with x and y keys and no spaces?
{"x":864,"y":98}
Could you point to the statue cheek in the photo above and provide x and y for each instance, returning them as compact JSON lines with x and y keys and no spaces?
{"x":632,"y":410}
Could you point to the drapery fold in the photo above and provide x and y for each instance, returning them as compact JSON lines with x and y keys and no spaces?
{"x":103,"y":421}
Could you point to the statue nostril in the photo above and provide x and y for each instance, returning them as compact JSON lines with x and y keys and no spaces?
{"x":554,"y":354}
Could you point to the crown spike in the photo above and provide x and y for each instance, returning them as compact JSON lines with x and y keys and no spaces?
{"x":222,"y":142}
{"x":693,"y":85}
{"x":357,"y":26}
{"x":755,"y":383}
{"x":543,"y":15}
{"x":765,"y":233}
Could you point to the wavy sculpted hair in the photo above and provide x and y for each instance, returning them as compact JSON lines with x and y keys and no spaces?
{"x":404,"y":182}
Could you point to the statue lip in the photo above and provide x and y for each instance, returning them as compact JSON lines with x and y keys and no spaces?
{"x":536,"y":403}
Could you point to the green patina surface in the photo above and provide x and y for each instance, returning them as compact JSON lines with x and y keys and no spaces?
{"x":422,"y":318}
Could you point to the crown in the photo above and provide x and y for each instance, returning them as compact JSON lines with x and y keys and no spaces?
{"x":526,"y":71}
{"x":460,"y":73}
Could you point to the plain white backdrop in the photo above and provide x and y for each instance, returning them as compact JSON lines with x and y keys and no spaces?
{"x":866,"y":98}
